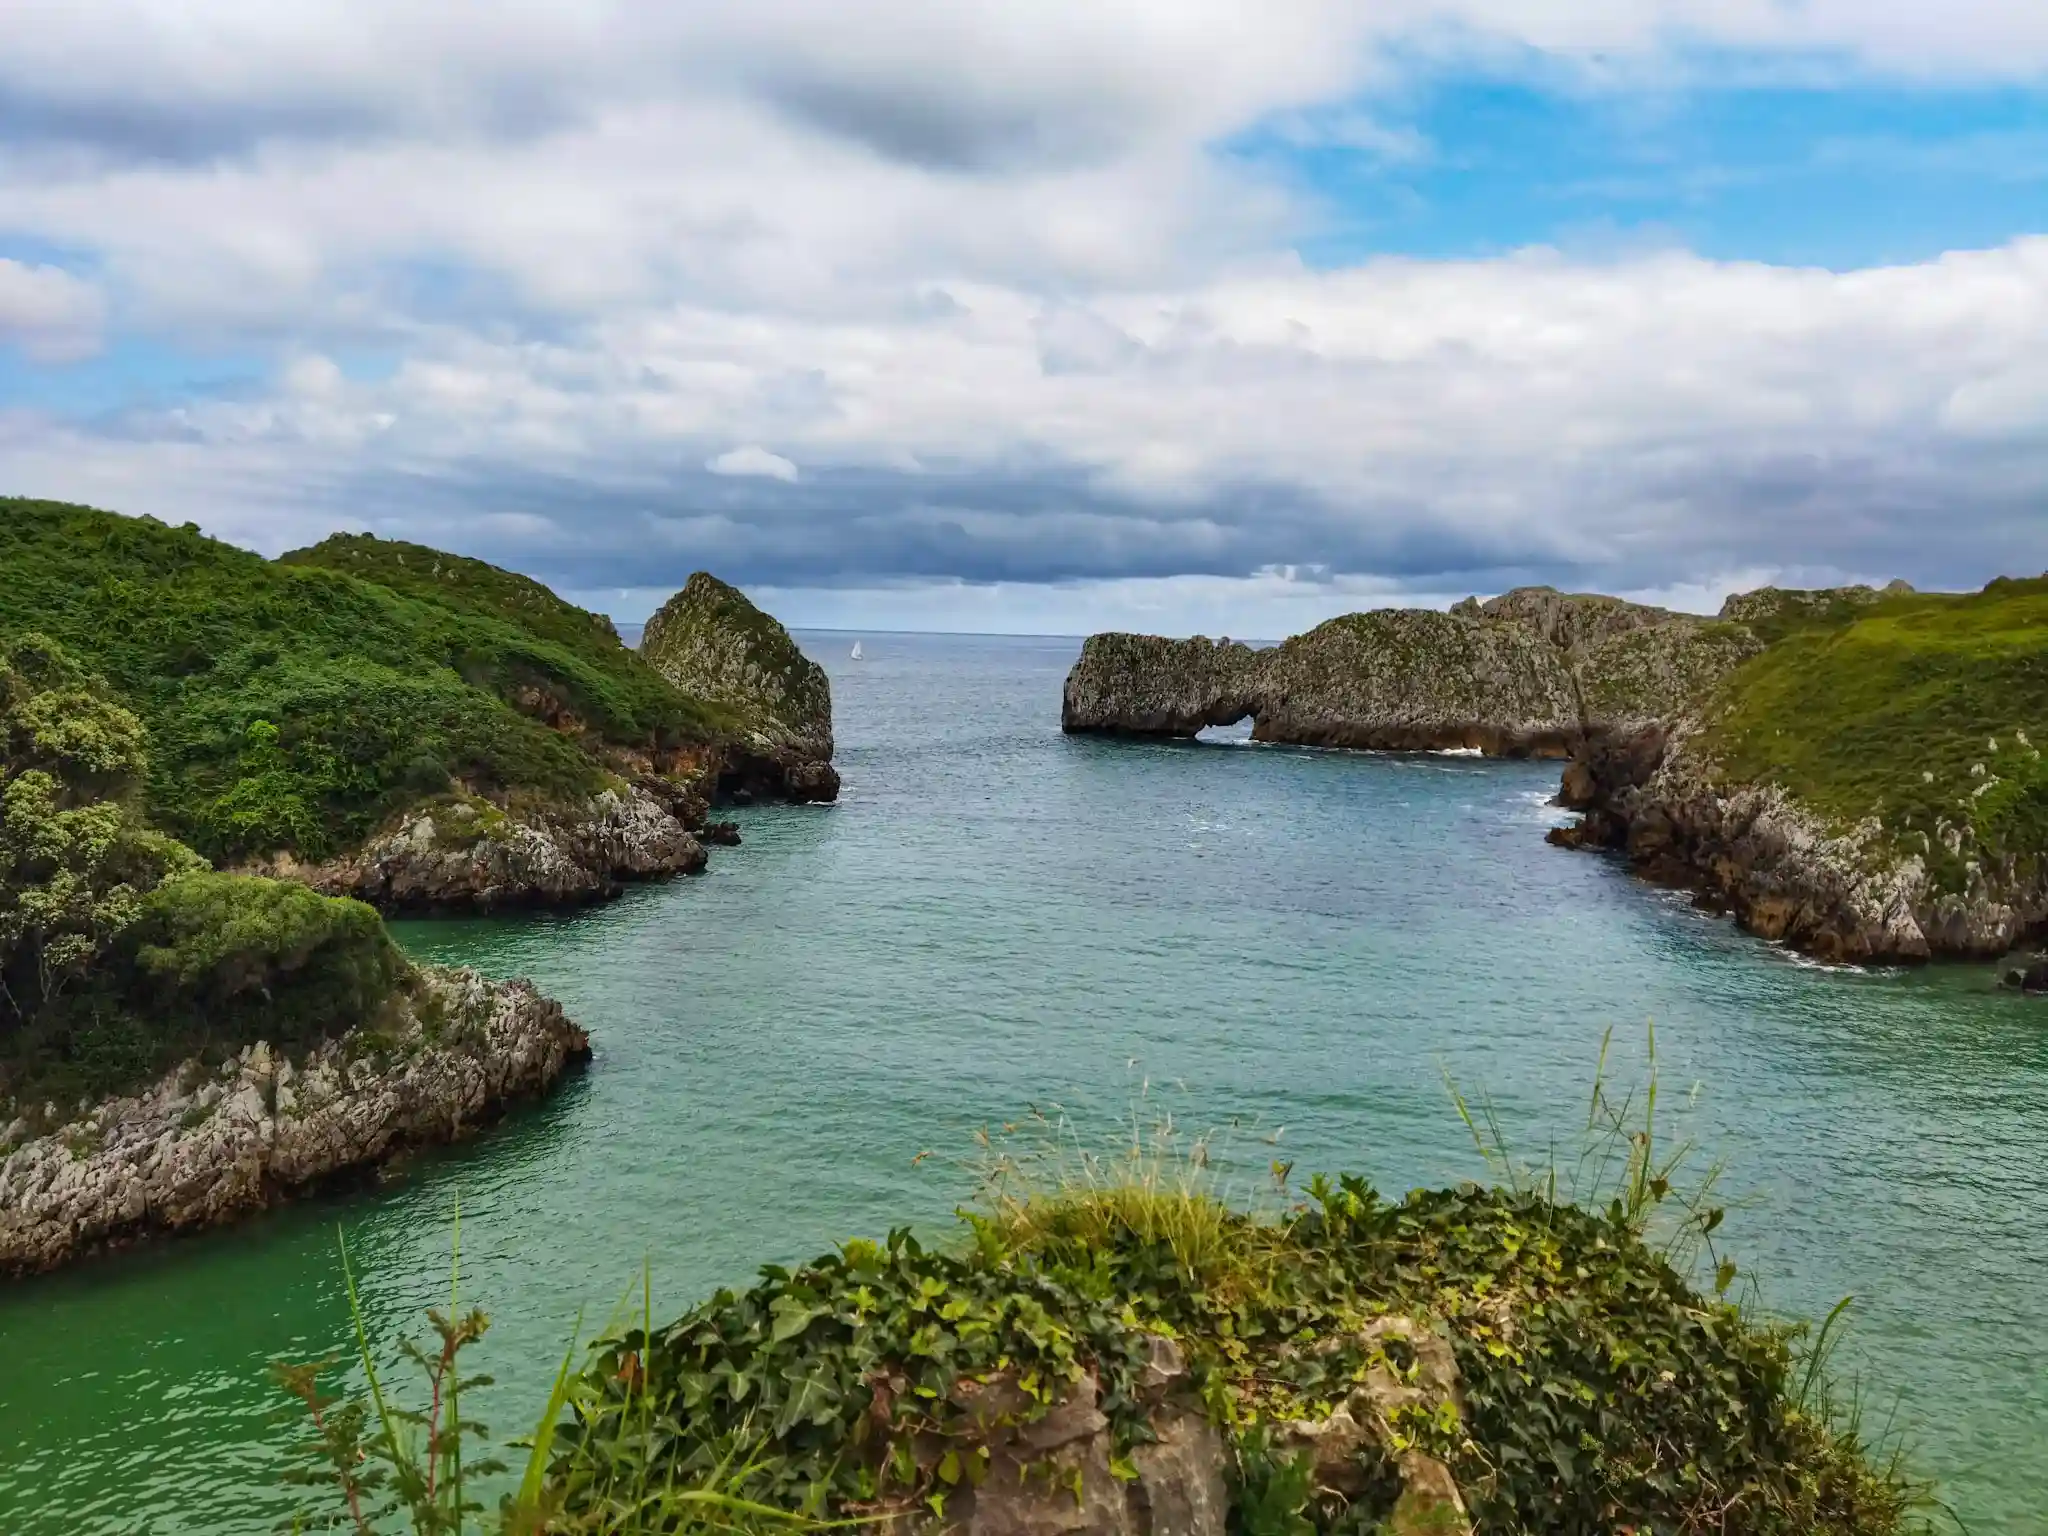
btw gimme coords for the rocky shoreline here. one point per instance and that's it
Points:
(204, 1147)
(1621, 690)
(1847, 896)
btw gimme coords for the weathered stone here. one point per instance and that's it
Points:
(1053, 1476)
(1525, 674)
(1361, 1429)
(1842, 894)
(174, 1159)
(711, 642)
(478, 856)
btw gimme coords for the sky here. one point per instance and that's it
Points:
(1214, 316)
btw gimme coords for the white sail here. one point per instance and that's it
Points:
(856, 650)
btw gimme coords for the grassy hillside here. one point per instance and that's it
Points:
(296, 704)
(1916, 708)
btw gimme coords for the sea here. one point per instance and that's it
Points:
(1309, 957)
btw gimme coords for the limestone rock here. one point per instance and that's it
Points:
(1526, 673)
(1052, 1475)
(472, 854)
(203, 1148)
(710, 641)
(1843, 894)
(1362, 1428)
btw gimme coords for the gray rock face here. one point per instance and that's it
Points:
(1052, 1475)
(203, 1148)
(710, 641)
(1524, 674)
(471, 854)
(1845, 896)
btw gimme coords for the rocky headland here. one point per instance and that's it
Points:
(1848, 770)
(1866, 790)
(209, 1144)
(413, 728)
(1524, 674)
(711, 642)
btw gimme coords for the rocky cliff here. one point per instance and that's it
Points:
(206, 1146)
(467, 852)
(711, 642)
(1523, 674)
(1865, 788)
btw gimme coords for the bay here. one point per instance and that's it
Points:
(994, 919)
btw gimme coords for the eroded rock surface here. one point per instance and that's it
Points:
(468, 853)
(204, 1147)
(1053, 1475)
(1845, 895)
(712, 642)
(1523, 674)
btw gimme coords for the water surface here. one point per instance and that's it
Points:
(996, 917)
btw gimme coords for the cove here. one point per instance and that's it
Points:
(997, 917)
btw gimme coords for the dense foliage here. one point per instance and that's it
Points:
(295, 706)
(1925, 710)
(1601, 1393)
(120, 955)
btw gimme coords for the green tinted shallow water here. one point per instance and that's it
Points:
(995, 916)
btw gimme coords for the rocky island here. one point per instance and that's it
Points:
(1852, 770)
(714, 644)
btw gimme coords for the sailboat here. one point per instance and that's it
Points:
(856, 650)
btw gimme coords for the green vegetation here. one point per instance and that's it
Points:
(710, 640)
(297, 704)
(120, 954)
(1926, 711)
(1598, 1391)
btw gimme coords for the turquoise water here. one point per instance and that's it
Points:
(996, 917)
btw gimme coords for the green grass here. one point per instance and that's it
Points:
(1887, 709)
(295, 705)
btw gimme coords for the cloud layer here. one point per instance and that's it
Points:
(867, 294)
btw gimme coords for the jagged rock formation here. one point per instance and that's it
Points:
(1846, 894)
(711, 642)
(470, 853)
(204, 1147)
(1524, 674)
(1865, 790)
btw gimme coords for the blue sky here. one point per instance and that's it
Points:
(1191, 315)
(1851, 174)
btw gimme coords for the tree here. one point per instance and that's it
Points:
(76, 860)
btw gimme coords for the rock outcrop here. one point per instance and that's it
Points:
(1527, 673)
(1054, 1474)
(204, 1147)
(1844, 894)
(469, 853)
(713, 643)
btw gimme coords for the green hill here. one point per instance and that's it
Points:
(1925, 710)
(294, 705)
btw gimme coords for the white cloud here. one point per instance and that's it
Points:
(753, 460)
(49, 314)
(980, 271)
